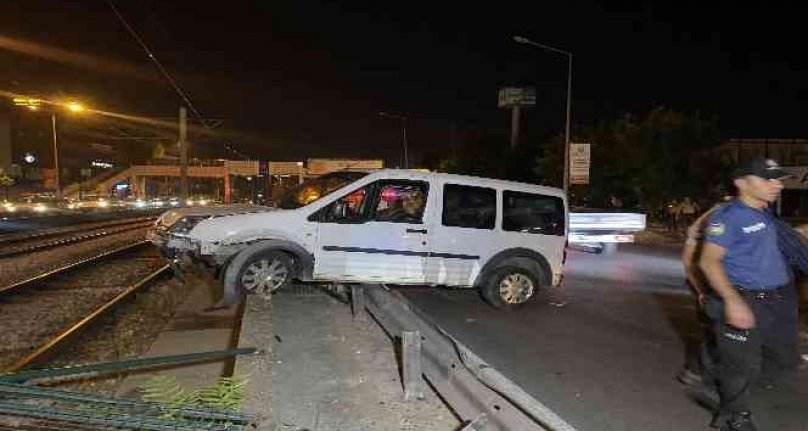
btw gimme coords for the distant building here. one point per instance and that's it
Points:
(787, 152)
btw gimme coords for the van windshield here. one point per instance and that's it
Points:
(317, 188)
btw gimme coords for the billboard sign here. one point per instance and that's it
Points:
(517, 96)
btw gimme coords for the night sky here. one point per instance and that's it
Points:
(306, 78)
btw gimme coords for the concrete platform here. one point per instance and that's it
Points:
(322, 370)
(190, 331)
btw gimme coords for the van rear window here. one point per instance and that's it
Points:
(533, 213)
(469, 207)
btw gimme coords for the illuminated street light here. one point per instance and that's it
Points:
(33, 104)
(75, 107)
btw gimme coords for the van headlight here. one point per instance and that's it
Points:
(183, 226)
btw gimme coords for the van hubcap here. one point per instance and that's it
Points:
(264, 276)
(515, 288)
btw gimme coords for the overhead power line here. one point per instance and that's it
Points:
(171, 81)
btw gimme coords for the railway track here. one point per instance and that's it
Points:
(17, 245)
(40, 314)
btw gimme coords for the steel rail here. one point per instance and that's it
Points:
(72, 240)
(13, 238)
(48, 346)
(70, 266)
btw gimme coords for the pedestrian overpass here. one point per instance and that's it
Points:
(136, 175)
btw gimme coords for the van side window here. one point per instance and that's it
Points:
(347, 209)
(400, 201)
(532, 213)
(469, 207)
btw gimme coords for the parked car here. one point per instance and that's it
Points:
(390, 226)
(92, 203)
(199, 201)
(39, 204)
(8, 207)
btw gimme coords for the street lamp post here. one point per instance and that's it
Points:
(55, 158)
(403, 118)
(34, 105)
(526, 41)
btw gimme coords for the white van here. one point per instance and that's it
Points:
(389, 226)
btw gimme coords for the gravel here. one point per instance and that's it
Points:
(32, 315)
(126, 333)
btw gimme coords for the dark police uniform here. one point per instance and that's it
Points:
(756, 267)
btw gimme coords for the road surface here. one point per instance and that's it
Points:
(604, 351)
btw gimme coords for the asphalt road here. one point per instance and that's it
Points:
(604, 350)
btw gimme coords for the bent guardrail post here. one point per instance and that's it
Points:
(357, 302)
(411, 365)
(474, 390)
(477, 424)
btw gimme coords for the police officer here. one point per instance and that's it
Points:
(750, 280)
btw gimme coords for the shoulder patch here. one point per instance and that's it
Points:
(716, 229)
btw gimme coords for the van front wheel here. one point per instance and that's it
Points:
(267, 272)
(510, 287)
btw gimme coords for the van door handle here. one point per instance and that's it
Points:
(416, 230)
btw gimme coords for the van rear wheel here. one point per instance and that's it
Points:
(510, 287)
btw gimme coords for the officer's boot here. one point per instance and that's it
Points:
(739, 422)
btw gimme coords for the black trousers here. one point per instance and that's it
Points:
(769, 350)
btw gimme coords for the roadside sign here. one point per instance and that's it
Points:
(516, 96)
(27, 101)
(579, 163)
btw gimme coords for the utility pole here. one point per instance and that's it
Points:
(403, 119)
(515, 111)
(404, 132)
(567, 131)
(526, 41)
(183, 156)
(55, 159)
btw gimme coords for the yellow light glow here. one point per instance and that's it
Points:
(33, 108)
(75, 107)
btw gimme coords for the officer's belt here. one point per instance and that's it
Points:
(760, 294)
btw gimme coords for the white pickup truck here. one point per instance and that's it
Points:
(603, 230)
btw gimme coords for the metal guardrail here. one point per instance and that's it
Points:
(478, 393)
